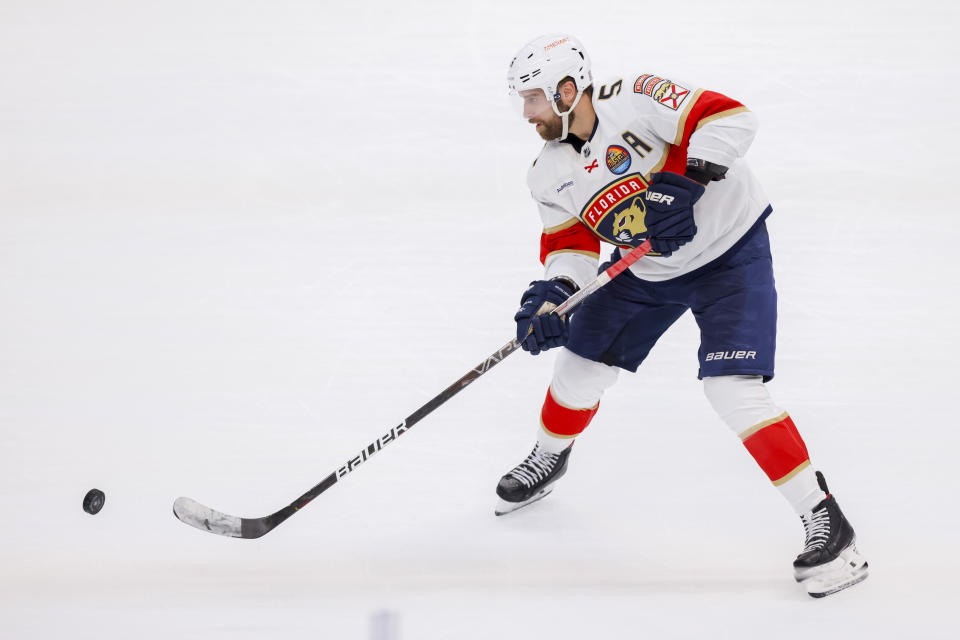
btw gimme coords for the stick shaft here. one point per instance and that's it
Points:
(201, 517)
(491, 361)
(609, 274)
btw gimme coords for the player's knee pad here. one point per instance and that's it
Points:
(740, 401)
(578, 382)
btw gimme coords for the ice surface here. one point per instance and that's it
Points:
(240, 240)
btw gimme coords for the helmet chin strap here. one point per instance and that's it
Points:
(565, 116)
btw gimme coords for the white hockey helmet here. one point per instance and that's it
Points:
(539, 67)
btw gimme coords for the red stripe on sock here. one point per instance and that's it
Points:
(777, 448)
(564, 421)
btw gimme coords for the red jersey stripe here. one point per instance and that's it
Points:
(705, 105)
(577, 237)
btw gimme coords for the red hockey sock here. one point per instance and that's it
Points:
(777, 447)
(561, 421)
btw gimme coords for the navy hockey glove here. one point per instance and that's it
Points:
(669, 200)
(537, 333)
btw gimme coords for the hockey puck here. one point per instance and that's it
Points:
(93, 501)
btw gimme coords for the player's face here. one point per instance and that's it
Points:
(537, 110)
(534, 103)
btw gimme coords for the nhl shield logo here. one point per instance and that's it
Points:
(617, 212)
(618, 160)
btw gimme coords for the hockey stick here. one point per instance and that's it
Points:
(204, 518)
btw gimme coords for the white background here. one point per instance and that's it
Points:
(240, 240)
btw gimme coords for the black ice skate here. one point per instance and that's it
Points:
(531, 480)
(829, 561)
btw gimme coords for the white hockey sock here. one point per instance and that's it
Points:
(572, 399)
(802, 491)
(769, 434)
(551, 443)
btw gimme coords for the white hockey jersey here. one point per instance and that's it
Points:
(645, 124)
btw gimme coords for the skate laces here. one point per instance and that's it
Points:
(535, 467)
(817, 528)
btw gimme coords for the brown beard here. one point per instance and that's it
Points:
(553, 127)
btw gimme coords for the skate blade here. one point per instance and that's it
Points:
(849, 558)
(820, 588)
(848, 569)
(503, 507)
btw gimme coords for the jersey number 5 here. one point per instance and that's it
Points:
(614, 90)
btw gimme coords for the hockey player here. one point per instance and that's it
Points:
(649, 157)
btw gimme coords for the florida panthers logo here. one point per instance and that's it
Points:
(616, 213)
(629, 222)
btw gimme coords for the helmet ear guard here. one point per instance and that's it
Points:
(558, 97)
(565, 115)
